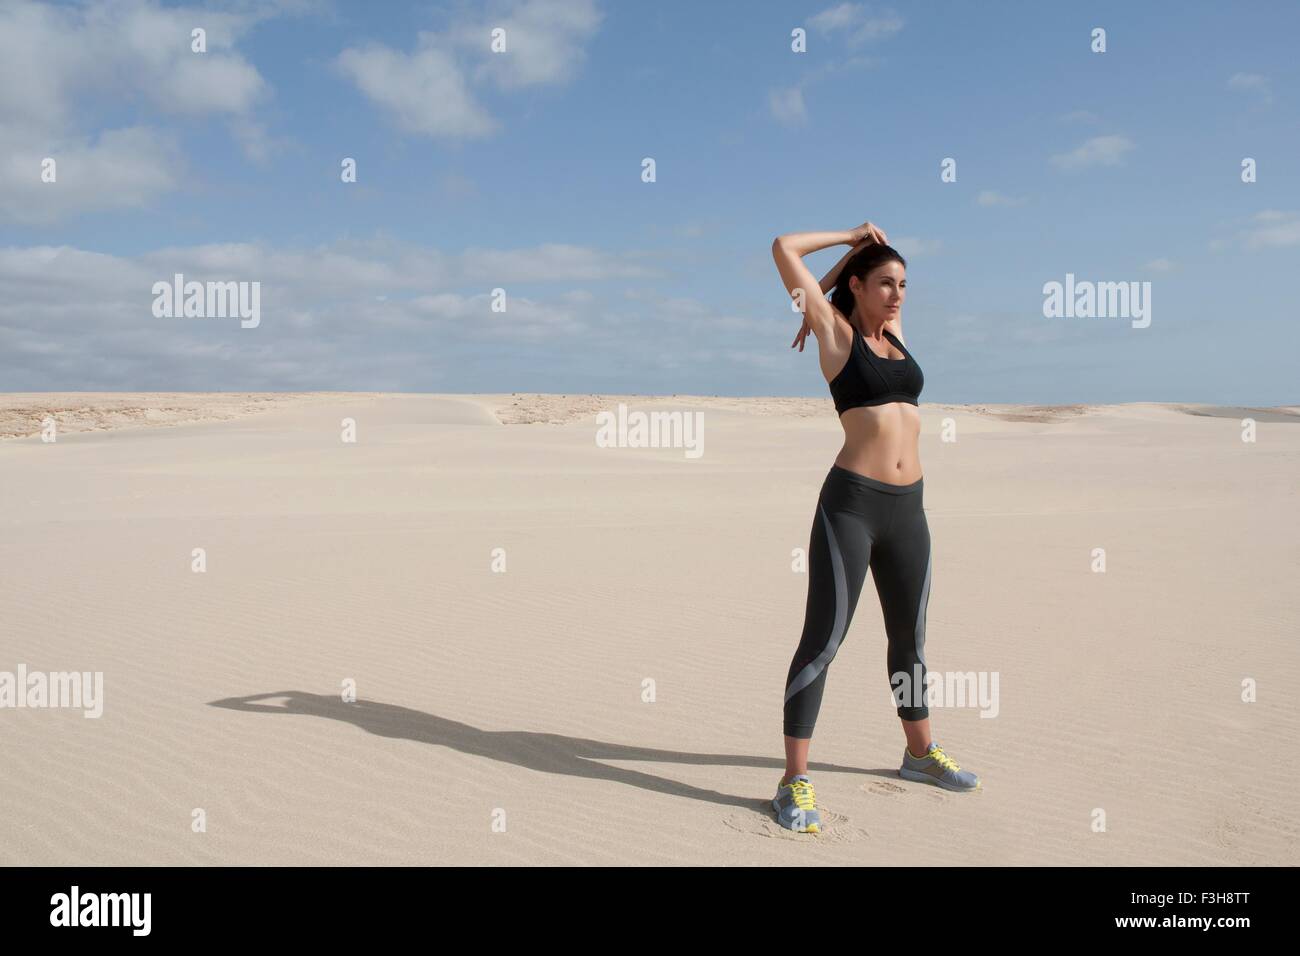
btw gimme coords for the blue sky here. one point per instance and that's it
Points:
(521, 171)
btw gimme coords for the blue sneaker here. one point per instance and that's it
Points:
(938, 768)
(796, 805)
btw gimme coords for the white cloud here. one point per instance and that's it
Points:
(357, 315)
(1279, 229)
(545, 43)
(425, 92)
(855, 23)
(989, 197)
(123, 168)
(1098, 151)
(698, 227)
(51, 55)
(1252, 83)
(910, 246)
(60, 64)
(835, 18)
(428, 91)
(256, 140)
(787, 106)
(72, 302)
(455, 185)
(876, 27)
(850, 23)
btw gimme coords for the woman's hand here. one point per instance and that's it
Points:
(803, 334)
(868, 233)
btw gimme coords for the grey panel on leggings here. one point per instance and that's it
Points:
(818, 664)
(920, 611)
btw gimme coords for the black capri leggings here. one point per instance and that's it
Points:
(861, 521)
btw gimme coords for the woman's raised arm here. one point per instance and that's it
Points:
(788, 252)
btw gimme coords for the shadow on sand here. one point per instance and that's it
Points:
(549, 753)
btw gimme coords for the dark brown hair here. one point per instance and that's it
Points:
(866, 260)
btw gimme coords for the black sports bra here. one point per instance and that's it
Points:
(868, 379)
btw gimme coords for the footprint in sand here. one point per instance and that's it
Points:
(886, 788)
(836, 827)
(1227, 832)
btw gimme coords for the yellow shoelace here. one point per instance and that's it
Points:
(802, 793)
(943, 760)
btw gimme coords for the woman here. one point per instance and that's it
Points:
(869, 510)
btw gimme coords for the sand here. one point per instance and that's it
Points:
(613, 696)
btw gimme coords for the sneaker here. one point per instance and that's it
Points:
(938, 768)
(796, 805)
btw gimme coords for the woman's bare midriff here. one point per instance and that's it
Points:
(882, 442)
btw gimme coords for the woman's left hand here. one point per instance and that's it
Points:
(803, 334)
(867, 233)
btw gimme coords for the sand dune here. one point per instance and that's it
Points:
(22, 413)
(520, 696)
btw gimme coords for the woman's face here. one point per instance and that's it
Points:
(879, 294)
